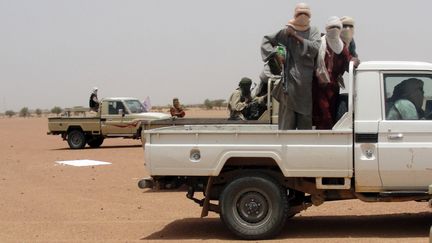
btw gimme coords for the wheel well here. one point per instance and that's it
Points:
(71, 128)
(251, 163)
(237, 166)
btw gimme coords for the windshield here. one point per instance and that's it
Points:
(135, 106)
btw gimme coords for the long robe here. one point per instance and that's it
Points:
(299, 69)
(236, 105)
(325, 98)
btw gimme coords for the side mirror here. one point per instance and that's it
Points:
(121, 112)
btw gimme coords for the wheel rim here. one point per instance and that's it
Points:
(252, 208)
(75, 139)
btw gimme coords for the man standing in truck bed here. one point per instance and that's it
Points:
(302, 43)
(332, 61)
(94, 101)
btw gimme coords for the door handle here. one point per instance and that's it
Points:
(395, 136)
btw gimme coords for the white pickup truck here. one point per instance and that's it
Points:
(256, 176)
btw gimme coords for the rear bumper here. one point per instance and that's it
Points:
(146, 183)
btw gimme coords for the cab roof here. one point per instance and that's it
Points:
(394, 65)
(119, 98)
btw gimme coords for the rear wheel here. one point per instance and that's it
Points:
(96, 142)
(254, 207)
(76, 139)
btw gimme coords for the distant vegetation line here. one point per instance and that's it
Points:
(57, 110)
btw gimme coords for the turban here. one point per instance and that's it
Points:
(333, 34)
(302, 8)
(245, 82)
(346, 20)
(301, 22)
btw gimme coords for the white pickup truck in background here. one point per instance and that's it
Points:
(256, 176)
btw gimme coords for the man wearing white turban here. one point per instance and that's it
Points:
(302, 43)
(94, 102)
(333, 60)
(347, 34)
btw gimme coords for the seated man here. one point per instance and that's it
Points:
(111, 109)
(407, 100)
(242, 106)
(176, 110)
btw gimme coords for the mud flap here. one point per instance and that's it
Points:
(206, 204)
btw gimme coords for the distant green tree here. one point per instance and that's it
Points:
(208, 104)
(38, 112)
(56, 110)
(24, 112)
(218, 103)
(10, 113)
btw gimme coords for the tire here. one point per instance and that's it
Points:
(76, 139)
(291, 215)
(254, 207)
(96, 142)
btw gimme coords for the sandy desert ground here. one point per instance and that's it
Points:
(41, 201)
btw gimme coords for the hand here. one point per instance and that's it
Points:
(356, 61)
(290, 31)
(280, 59)
(322, 84)
(262, 99)
(259, 100)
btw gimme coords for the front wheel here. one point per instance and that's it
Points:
(96, 142)
(76, 139)
(254, 207)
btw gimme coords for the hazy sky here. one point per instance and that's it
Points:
(54, 52)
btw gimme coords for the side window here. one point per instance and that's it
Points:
(121, 106)
(114, 107)
(408, 96)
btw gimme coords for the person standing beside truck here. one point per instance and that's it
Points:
(333, 59)
(302, 42)
(94, 101)
(176, 110)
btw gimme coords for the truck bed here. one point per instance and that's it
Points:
(194, 121)
(202, 150)
(56, 125)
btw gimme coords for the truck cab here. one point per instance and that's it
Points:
(122, 116)
(392, 154)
